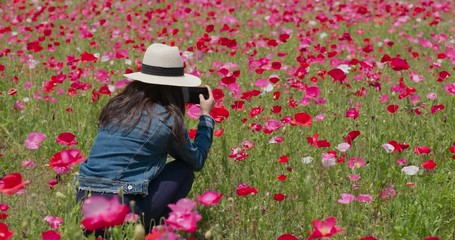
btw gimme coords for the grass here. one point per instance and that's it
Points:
(311, 190)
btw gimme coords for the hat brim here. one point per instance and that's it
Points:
(187, 80)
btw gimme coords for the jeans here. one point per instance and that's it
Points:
(172, 184)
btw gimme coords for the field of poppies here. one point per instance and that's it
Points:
(335, 119)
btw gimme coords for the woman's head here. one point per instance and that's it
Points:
(125, 110)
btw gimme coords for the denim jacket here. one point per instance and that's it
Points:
(129, 161)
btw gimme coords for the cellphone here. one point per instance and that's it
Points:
(191, 94)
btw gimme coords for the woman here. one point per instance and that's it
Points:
(138, 129)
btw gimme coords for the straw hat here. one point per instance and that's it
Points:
(163, 65)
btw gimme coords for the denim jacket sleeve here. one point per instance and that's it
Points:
(195, 153)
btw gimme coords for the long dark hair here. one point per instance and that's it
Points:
(124, 111)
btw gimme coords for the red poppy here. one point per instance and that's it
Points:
(399, 64)
(302, 119)
(436, 108)
(283, 159)
(219, 113)
(281, 177)
(244, 190)
(429, 165)
(351, 136)
(276, 109)
(218, 94)
(5, 233)
(392, 108)
(192, 133)
(66, 138)
(65, 160)
(12, 183)
(218, 132)
(422, 150)
(337, 75)
(398, 147)
(279, 197)
(88, 57)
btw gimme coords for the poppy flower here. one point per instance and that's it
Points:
(245, 190)
(287, 236)
(88, 57)
(65, 160)
(100, 212)
(422, 150)
(5, 233)
(34, 140)
(436, 108)
(209, 198)
(392, 108)
(398, 147)
(356, 162)
(302, 119)
(218, 132)
(399, 64)
(182, 216)
(281, 177)
(368, 238)
(364, 198)
(279, 197)
(54, 222)
(410, 170)
(351, 136)
(346, 198)
(12, 183)
(337, 75)
(324, 228)
(429, 165)
(219, 113)
(66, 138)
(352, 113)
(194, 111)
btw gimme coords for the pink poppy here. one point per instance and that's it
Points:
(324, 228)
(356, 162)
(12, 183)
(182, 216)
(194, 111)
(34, 139)
(364, 198)
(54, 222)
(100, 212)
(209, 198)
(352, 113)
(346, 198)
(66, 139)
(65, 160)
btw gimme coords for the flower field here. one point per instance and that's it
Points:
(335, 119)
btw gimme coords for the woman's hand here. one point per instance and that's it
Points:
(207, 104)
